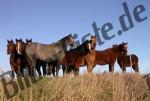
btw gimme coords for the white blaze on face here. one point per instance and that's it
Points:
(89, 46)
(126, 46)
(18, 48)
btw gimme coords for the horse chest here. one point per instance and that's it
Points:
(124, 60)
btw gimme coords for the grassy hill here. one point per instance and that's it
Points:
(103, 87)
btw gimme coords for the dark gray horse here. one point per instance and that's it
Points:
(48, 52)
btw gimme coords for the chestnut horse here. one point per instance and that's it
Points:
(81, 56)
(125, 60)
(15, 59)
(109, 56)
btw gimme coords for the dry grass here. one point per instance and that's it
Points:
(104, 87)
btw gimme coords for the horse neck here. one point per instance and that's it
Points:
(64, 43)
(82, 47)
(94, 45)
(13, 56)
(78, 49)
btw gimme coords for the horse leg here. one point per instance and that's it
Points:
(23, 66)
(30, 71)
(75, 70)
(64, 69)
(44, 69)
(111, 68)
(12, 72)
(53, 70)
(57, 68)
(135, 68)
(123, 69)
(38, 65)
(32, 63)
(18, 67)
(49, 69)
(22, 71)
(89, 70)
(89, 67)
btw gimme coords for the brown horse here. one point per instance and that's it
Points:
(15, 59)
(90, 57)
(125, 60)
(110, 55)
(81, 56)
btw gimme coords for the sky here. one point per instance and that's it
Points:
(47, 21)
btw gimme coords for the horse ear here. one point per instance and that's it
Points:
(114, 45)
(70, 35)
(16, 39)
(31, 40)
(26, 40)
(11, 40)
(8, 41)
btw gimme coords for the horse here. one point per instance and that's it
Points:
(48, 52)
(109, 56)
(80, 56)
(125, 60)
(15, 59)
(90, 57)
(39, 63)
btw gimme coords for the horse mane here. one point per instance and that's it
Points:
(81, 46)
(108, 49)
(61, 41)
(64, 38)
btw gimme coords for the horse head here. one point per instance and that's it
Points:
(94, 41)
(88, 46)
(69, 40)
(10, 47)
(20, 46)
(123, 47)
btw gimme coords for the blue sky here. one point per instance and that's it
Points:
(47, 21)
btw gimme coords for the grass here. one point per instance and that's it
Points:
(103, 87)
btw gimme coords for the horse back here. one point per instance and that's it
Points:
(104, 57)
(72, 57)
(44, 52)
